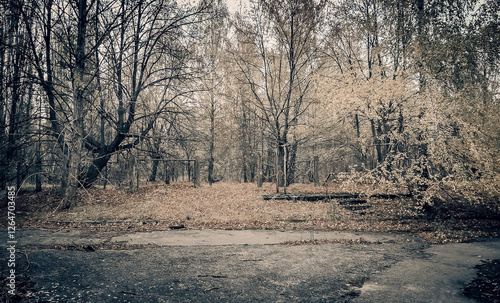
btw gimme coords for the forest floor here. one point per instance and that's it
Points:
(157, 206)
(354, 270)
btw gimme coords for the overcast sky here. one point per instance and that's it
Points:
(234, 5)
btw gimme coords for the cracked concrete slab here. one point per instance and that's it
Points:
(197, 237)
(245, 237)
(246, 266)
(443, 271)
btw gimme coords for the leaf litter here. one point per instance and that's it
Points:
(158, 206)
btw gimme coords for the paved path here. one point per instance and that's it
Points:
(246, 266)
(196, 237)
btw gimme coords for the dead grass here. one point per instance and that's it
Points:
(157, 206)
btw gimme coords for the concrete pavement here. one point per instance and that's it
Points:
(247, 266)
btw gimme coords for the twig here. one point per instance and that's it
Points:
(27, 260)
(177, 226)
(210, 289)
(130, 293)
(212, 276)
(58, 206)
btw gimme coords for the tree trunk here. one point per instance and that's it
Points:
(281, 162)
(316, 170)
(356, 124)
(166, 168)
(245, 165)
(132, 175)
(376, 142)
(76, 142)
(3, 163)
(38, 176)
(211, 157)
(259, 170)
(269, 171)
(292, 163)
(14, 82)
(154, 170)
(197, 180)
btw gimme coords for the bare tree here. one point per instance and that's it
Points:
(280, 72)
(148, 52)
(121, 63)
(213, 60)
(16, 93)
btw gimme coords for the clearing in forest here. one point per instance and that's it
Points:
(157, 206)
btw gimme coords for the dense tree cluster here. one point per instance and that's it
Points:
(404, 91)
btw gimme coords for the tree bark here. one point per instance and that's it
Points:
(154, 171)
(211, 156)
(292, 163)
(76, 143)
(3, 163)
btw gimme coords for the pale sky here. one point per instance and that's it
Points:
(234, 5)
